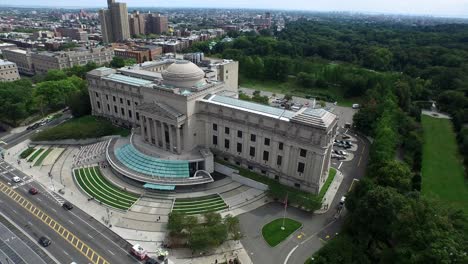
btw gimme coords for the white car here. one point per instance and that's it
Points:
(16, 179)
(356, 106)
(342, 152)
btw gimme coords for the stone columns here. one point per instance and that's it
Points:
(142, 127)
(163, 135)
(171, 138)
(148, 129)
(155, 126)
(179, 148)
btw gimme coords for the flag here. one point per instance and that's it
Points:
(286, 202)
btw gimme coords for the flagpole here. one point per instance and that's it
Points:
(284, 213)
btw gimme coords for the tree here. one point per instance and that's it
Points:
(79, 103)
(55, 75)
(117, 62)
(175, 223)
(212, 218)
(394, 174)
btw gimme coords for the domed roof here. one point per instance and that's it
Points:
(183, 74)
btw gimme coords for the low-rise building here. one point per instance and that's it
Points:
(8, 71)
(44, 61)
(22, 59)
(5, 46)
(73, 33)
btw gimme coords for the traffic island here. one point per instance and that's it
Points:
(278, 230)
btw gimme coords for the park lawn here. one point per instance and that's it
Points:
(442, 170)
(35, 154)
(330, 94)
(27, 152)
(81, 128)
(273, 234)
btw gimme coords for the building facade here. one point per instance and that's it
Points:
(114, 22)
(44, 61)
(8, 71)
(157, 24)
(73, 33)
(137, 24)
(22, 59)
(181, 115)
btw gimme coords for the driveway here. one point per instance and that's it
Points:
(316, 230)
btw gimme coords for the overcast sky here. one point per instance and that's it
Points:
(458, 8)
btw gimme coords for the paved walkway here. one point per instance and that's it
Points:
(435, 114)
(331, 192)
(123, 223)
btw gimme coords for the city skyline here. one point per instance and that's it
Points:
(450, 8)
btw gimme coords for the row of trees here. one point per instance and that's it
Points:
(212, 231)
(46, 93)
(389, 221)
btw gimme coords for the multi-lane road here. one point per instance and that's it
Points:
(76, 236)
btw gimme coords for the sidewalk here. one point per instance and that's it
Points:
(62, 179)
(330, 194)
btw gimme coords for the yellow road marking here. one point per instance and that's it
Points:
(58, 228)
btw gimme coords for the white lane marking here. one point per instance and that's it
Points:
(90, 235)
(340, 165)
(14, 211)
(98, 232)
(290, 253)
(39, 199)
(53, 209)
(111, 252)
(71, 222)
(66, 253)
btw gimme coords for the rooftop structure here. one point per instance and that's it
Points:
(8, 71)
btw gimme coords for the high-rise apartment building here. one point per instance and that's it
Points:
(157, 24)
(137, 23)
(114, 22)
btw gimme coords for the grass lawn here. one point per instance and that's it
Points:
(81, 128)
(273, 234)
(42, 157)
(35, 154)
(26, 153)
(199, 205)
(326, 185)
(290, 87)
(442, 170)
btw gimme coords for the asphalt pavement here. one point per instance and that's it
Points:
(316, 229)
(84, 231)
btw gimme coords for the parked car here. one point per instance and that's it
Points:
(356, 106)
(44, 241)
(342, 152)
(67, 205)
(345, 137)
(338, 144)
(33, 191)
(16, 179)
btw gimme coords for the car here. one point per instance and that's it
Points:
(338, 144)
(151, 261)
(348, 143)
(342, 152)
(336, 151)
(346, 137)
(341, 157)
(44, 241)
(347, 146)
(16, 179)
(356, 106)
(33, 191)
(342, 200)
(67, 205)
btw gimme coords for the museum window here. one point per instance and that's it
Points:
(113, 98)
(226, 130)
(238, 163)
(128, 102)
(215, 127)
(121, 100)
(107, 97)
(266, 155)
(98, 105)
(130, 113)
(138, 116)
(115, 109)
(277, 177)
(252, 152)
(297, 185)
(300, 167)
(215, 140)
(239, 134)
(263, 171)
(239, 147)
(280, 145)
(97, 95)
(250, 167)
(279, 160)
(303, 153)
(253, 137)
(226, 143)
(267, 142)
(122, 111)
(108, 108)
